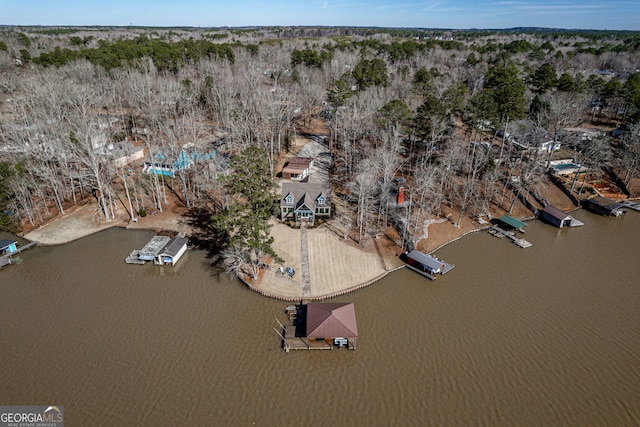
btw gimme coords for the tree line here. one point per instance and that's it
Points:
(423, 106)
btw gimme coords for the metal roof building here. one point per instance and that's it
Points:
(331, 320)
(555, 216)
(511, 222)
(172, 251)
(603, 206)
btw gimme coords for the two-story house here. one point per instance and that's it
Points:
(304, 201)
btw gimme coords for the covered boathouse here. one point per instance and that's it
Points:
(172, 251)
(560, 219)
(426, 265)
(510, 223)
(8, 246)
(321, 326)
(161, 250)
(603, 206)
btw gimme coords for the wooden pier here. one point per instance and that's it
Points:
(631, 205)
(7, 259)
(292, 342)
(500, 233)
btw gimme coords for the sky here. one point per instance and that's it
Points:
(453, 14)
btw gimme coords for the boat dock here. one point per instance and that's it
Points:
(426, 265)
(7, 259)
(631, 205)
(292, 342)
(500, 233)
(319, 326)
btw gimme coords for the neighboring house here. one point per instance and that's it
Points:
(161, 165)
(548, 146)
(8, 246)
(304, 201)
(125, 152)
(297, 169)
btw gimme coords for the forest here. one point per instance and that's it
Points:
(470, 120)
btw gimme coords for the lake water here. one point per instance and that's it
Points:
(548, 335)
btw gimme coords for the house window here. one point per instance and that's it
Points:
(289, 199)
(321, 200)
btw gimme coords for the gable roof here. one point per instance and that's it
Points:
(304, 192)
(297, 165)
(331, 320)
(555, 212)
(301, 161)
(307, 201)
(173, 246)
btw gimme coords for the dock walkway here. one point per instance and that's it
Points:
(500, 233)
(292, 342)
(304, 255)
(6, 259)
(631, 205)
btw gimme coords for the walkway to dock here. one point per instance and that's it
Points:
(304, 254)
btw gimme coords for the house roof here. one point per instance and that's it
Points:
(126, 148)
(173, 246)
(294, 169)
(607, 204)
(300, 162)
(306, 200)
(304, 192)
(331, 320)
(5, 243)
(298, 165)
(511, 221)
(555, 212)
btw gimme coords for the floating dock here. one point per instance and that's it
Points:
(498, 232)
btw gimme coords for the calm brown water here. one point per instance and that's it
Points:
(544, 336)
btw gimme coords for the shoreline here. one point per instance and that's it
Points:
(335, 266)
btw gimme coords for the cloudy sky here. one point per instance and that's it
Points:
(458, 14)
